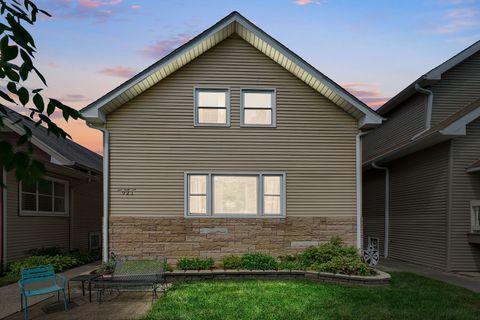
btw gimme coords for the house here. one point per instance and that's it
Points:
(231, 143)
(422, 169)
(64, 210)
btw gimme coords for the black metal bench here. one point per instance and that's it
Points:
(133, 275)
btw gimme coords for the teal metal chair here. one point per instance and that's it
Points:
(40, 280)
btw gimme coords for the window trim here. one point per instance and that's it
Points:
(274, 108)
(474, 203)
(37, 213)
(195, 106)
(260, 194)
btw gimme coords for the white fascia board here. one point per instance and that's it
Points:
(459, 127)
(55, 157)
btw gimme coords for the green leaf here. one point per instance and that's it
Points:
(38, 101)
(51, 107)
(23, 95)
(7, 52)
(11, 74)
(6, 97)
(12, 87)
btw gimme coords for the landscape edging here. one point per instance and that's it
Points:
(379, 279)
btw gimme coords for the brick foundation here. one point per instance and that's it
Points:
(148, 237)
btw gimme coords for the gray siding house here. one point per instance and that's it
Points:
(65, 211)
(421, 178)
(231, 143)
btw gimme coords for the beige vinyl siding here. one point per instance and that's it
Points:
(87, 203)
(400, 126)
(465, 187)
(374, 207)
(459, 86)
(418, 207)
(25, 233)
(153, 140)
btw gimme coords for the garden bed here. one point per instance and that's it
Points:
(380, 278)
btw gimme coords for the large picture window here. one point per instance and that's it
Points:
(235, 194)
(212, 107)
(258, 108)
(46, 197)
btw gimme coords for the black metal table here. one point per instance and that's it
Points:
(83, 278)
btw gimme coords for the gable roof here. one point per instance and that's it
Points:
(453, 126)
(429, 78)
(233, 23)
(62, 151)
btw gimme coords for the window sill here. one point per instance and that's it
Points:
(235, 217)
(474, 237)
(43, 214)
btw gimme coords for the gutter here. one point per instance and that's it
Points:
(106, 161)
(429, 104)
(358, 145)
(387, 208)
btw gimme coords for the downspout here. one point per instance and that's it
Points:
(106, 152)
(387, 207)
(428, 117)
(358, 142)
(3, 232)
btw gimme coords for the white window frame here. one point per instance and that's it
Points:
(260, 194)
(273, 91)
(474, 228)
(196, 90)
(37, 213)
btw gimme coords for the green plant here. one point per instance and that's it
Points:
(45, 251)
(17, 55)
(59, 262)
(326, 252)
(344, 265)
(195, 264)
(232, 262)
(290, 265)
(258, 261)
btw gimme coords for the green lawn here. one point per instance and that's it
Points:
(409, 297)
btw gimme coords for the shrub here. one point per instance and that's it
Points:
(290, 265)
(344, 265)
(232, 262)
(59, 262)
(326, 252)
(258, 261)
(45, 251)
(195, 264)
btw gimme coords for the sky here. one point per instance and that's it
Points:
(372, 48)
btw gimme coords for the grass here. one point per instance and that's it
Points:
(408, 297)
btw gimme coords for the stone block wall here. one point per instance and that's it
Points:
(175, 237)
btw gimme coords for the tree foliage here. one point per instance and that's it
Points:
(17, 53)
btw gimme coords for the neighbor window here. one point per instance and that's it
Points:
(237, 194)
(212, 107)
(258, 108)
(475, 212)
(45, 197)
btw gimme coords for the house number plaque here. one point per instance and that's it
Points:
(126, 191)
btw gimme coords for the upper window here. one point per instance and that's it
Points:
(46, 197)
(475, 212)
(258, 108)
(228, 195)
(212, 107)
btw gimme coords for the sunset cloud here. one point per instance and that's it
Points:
(97, 3)
(135, 6)
(458, 20)
(305, 2)
(119, 71)
(163, 47)
(369, 93)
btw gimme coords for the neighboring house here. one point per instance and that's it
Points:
(231, 143)
(423, 205)
(63, 211)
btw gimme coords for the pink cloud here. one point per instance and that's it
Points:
(163, 47)
(369, 93)
(135, 6)
(120, 72)
(305, 2)
(458, 20)
(97, 3)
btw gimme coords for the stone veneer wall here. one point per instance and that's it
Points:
(172, 237)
